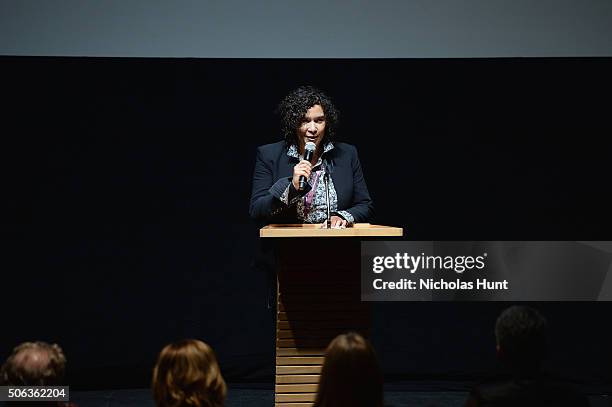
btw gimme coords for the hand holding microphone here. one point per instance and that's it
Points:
(301, 172)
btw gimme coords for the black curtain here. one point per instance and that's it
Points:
(126, 185)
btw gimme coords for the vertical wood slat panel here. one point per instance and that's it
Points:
(314, 305)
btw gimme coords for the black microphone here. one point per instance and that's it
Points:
(309, 150)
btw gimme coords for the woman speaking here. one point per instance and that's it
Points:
(309, 175)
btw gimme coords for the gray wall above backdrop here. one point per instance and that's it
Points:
(314, 29)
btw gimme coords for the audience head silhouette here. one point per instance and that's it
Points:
(187, 374)
(351, 375)
(34, 364)
(522, 346)
(520, 332)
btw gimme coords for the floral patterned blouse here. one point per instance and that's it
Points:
(312, 207)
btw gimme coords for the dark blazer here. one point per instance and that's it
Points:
(535, 391)
(274, 171)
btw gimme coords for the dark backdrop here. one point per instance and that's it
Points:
(126, 185)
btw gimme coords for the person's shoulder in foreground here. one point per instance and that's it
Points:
(541, 391)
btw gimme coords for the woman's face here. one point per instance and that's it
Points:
(312, 127)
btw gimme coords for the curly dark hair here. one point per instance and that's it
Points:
(295, 105)
(521, 334)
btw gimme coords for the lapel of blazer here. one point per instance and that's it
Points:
(330, 166)
(286, 163)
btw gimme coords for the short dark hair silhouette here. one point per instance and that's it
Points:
(520, 332)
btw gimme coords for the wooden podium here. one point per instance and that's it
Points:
(318, 277)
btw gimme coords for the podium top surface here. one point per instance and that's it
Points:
(315, 230)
